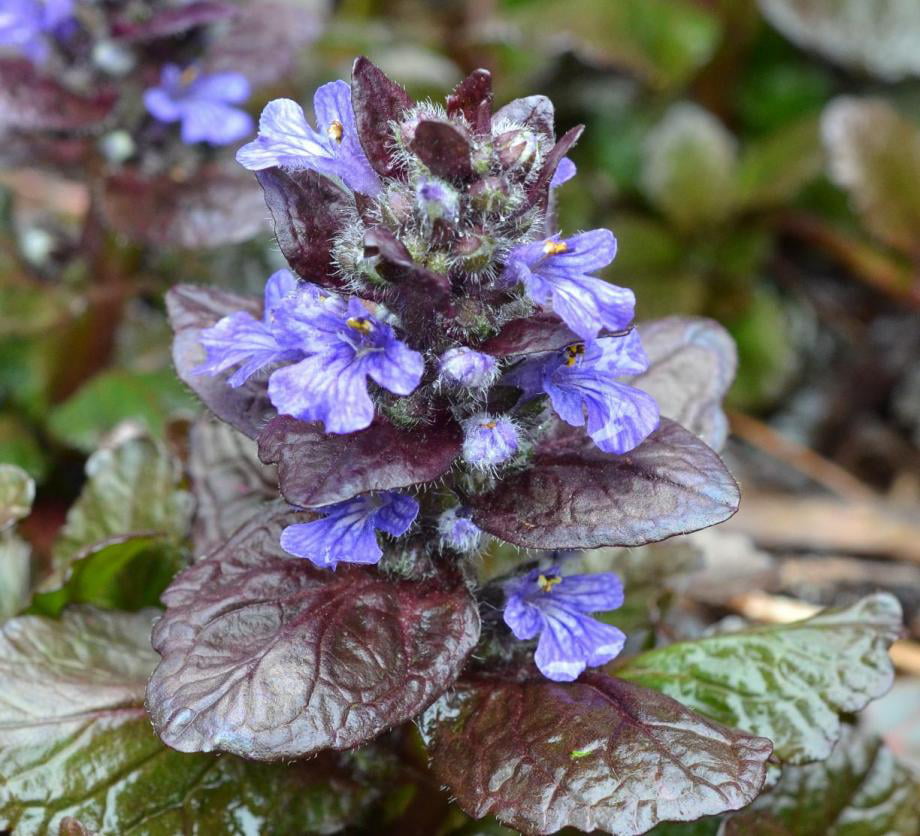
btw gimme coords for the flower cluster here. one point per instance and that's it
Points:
(28, 27)
(436, 318)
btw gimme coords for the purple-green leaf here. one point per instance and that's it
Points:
(692, 362)
(229, 482)
(306, 209)
(542, 331)
(268, 657)
(192, 309)
(318, 468)
(533, 112)
(538, 191)
(377, 101)
(172, 20)
(599, 753)
(577, 496)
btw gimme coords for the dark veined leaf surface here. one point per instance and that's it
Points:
(692, 362)
(317, 468)
(75, 742)
(597, 753)
(377, 101)
(192, 309)
(306, 210)
(789, 682)
(860, 790)
(443, 148)
(576, 496)
(267, 656)
(473, 98)
(229, 483)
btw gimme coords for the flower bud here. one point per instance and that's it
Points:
(489, 440)
(458, 532)
(436, 200)
(476, 252)
(465, 367)
(517, 148)
(489, 194)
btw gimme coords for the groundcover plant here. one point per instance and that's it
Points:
(439, 373)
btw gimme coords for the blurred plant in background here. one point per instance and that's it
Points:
(759, 163)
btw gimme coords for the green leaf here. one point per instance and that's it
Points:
(127, 575)
(132, 490)
(874, 153)
(860, 790)
(689, 167)
(75, 741)
(663, 41)
(879, 36)
(15, 574)
(19, 446)
(149, 399)
(773, 170)
(789, 683)
(17, 492)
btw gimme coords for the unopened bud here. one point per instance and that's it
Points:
(517, 148)
(489, 194)
(476, 251)
(436, 200)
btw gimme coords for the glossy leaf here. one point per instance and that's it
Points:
(662, 41)
(127, 573)
(317, 468)
(377, 101)
(266, 656)
(788, 682)
(229, 482)
(692, 363)
(192, 309)
(597, 753)
(443, 148)
(576, 496)
(306, 209)
(878, 36)
(540, 332)
(860, 790)
(131, 490)
(15, 574)
(265, 39)
(874, 153)
(211, 207)
(76, 743)
(472, 98)
(30, 101)
(688, 168)
(148, 400)
(17, 492)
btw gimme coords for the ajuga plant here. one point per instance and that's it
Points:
(139, 97)
(439, 371)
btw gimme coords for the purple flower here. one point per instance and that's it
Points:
(489, 440)
(463, 366)
(347, 531)
(565, 171)
(241, 339)
(458, 532)
(557, 608)
(25, 25)
(202, 103)
(581, 384)
(343, 345)
(286, 139)
(555, 272)
(330, 345)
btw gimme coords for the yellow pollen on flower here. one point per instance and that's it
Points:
(546, 584)
(336, 130)
(189, 74)
(573, 352)
(488, 425)
(359, 323)
(555, 247)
